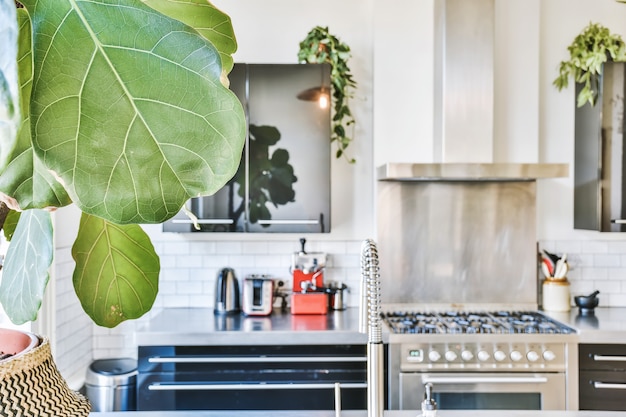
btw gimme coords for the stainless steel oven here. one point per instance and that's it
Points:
(502, 360)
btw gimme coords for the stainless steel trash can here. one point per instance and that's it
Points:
(111, 384)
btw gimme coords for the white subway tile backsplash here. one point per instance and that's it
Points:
(203, 248)
(189, 269)
(228, 248)
(241, 261)
(189, 261)
(595, 246)
(188, 287)
(175, 274)
(593, 273)
(596, 265)
(610, 261)
(215, 261)
(614, 300)
(176, 247)
(278, 247)
(617, 247)
(618, 274)
(269, 261)
(345, 261)
(167, 261)
(566, 246)
(255, 248)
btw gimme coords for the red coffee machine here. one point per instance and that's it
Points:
(309, 295)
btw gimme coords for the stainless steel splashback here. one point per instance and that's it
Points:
(457, 242)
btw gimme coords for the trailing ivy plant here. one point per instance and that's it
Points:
(588, 53)
(120, 107)
(319, 47)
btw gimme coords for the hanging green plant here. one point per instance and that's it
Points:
(320, 47)
(588, 52)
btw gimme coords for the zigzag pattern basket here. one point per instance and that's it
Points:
(31, 386)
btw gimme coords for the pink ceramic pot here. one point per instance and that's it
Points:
(16, 342)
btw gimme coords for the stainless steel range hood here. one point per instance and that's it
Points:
(463, 131)
(461, 230)
(469, 172)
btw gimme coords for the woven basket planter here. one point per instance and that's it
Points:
(31, 386)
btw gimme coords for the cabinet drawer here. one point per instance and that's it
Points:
(602, 357)
(602, 390)
(171, 392)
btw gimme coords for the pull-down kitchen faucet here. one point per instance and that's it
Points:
(370, 304)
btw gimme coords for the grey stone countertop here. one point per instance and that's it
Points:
(361, 413)
(605, 325)
(201, 327)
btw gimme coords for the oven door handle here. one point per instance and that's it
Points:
(483, 380)
(247, 387)
(605, 385)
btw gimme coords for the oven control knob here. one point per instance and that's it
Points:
(434, 356)
(451, 356)
(548, 355)
(516, 356)
(483, 356)
(499, 355)
(532, 356)
(467, 355)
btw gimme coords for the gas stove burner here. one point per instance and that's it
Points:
(458, 322)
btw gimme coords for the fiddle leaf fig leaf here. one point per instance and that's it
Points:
(25, 180)
(205, 18)
(25, 272)
(127, 108)
(117, 270)
(10, 223)
(9, 90)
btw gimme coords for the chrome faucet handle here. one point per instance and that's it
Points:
(429, 405)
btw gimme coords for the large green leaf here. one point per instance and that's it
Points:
(209, 21)
(128, 110)
(25, 271)
(25, 180)
(117, 270)
(9, 95)
(10, 224)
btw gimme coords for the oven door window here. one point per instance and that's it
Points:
(488, 401)
(485, 391)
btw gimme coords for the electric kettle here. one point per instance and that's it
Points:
(227, 292)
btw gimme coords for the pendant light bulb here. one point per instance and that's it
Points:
(323, 101)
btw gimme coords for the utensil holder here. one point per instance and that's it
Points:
(556, 295)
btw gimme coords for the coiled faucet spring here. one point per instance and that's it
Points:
(370, 281)
(370, 276)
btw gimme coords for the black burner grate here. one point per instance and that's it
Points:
(459, 322)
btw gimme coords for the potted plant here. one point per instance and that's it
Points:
(30, 383)
(588, 52)
(320, 46)
(121, 108)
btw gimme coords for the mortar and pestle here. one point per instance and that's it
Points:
(586, 303)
